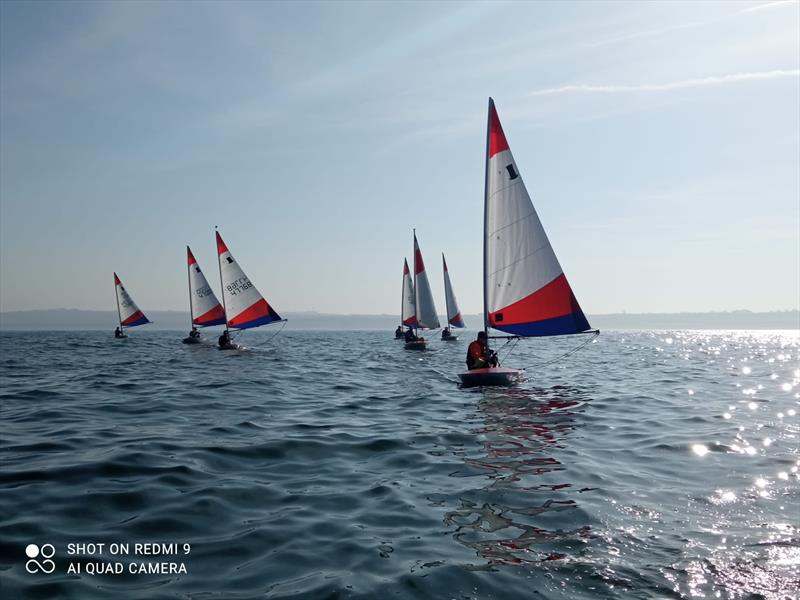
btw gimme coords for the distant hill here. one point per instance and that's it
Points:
(74, 319)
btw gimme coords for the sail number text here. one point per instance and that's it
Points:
(202, 292)
(239, 286)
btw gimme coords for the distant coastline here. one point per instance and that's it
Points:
(79, 320)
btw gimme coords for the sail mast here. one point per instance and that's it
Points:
(416, 290)
(446, 299)
(221, 284)
(485, 222)
(116, 295)
(189, 279)
(403, 294)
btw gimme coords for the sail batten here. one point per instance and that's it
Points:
(245, 307)
(527, 292)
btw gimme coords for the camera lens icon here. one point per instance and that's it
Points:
(47, 551)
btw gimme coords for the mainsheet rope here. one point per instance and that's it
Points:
(552, 360)
(239, 332)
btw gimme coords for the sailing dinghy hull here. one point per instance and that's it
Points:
(492, 376)
(192, 340)
(419, 345)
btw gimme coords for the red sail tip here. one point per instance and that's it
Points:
(405, 267)
(419, 267)
(221, 247)
(497, 139)
(116, 280)
(190, 256)
(444, 262)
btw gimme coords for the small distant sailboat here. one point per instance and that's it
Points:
(204, 308)
(453, 314)
(424, 308)
(408, 316)
(525, 291)
(127, 311)
(243, 304)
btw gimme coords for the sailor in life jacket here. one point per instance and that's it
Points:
(476, 354)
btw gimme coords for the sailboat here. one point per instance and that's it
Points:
(424, 308)
(243, 304)
(127, 311)
(453, 314)
(408, 316)
(204, 308)
(525, 291)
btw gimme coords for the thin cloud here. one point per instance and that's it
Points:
(767, 5)
(665, 87)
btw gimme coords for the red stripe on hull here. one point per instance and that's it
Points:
(256, 311)
(553, 300)
(497, 139)
(215, 314)
(221, 247)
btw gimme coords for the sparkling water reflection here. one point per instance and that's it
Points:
(649, 465)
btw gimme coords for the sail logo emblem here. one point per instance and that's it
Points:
(47, 551)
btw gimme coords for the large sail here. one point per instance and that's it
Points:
(244, 305)
(526, 290)
(426, 310)
(453, 314)
(408, 316)
(206, 309)
(129, 313)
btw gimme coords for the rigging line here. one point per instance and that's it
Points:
(574, 350)
(269, 339)
(510, 350)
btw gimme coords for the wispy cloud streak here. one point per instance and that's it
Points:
(666, 87)
(767, 5)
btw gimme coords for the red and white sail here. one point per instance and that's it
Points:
(423, 297)
(244, 305)
(526, 290)
(206, 309)
(453, 313)
(129, 313)
(408, 314)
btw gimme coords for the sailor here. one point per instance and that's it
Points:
(398, 333)
(410, 335)
(118, 333)
(445, 333)
(224, 339)
(477, 357)
(194, 333)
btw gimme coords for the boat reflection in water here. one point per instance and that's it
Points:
(527, 512)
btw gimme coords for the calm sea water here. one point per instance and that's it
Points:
(338, 465)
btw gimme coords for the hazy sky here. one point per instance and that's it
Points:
(660, 143)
